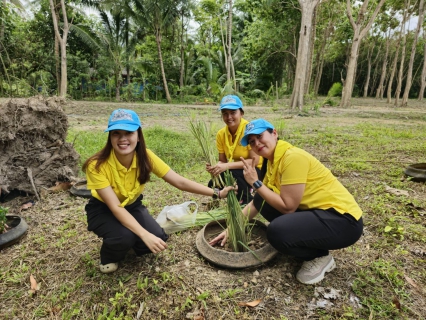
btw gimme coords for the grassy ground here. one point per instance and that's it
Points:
(383, 276)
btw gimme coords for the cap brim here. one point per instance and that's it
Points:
(230, 107)
(244, 140)
(123, 126)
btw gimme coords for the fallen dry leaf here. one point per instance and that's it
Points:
(61, 186)
(410, 281)
(26, 205)
(34, 286)
(396, 303)
(396, 192)
(250, 304)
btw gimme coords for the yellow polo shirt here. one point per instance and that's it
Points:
(322, 189)
(104, 178)
(239, 151)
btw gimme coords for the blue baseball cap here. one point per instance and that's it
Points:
(123, 119)
(231, 102)
(255, 127)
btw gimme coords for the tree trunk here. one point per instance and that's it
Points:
(297, 96)
(423, 76)
(408, 81)
(62, 43)
(223, 44)
(57, 65)
(311, 52)
(367, 80)
(182, 58)
(160, 57)
(2, 27)
(359, 33)
(402, 59)
(392, 74)
(380, 87)
(229, 34)
(320, 57)
(117, 84)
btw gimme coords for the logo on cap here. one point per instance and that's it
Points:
(122, 115)
(249, 127)
(229, 99)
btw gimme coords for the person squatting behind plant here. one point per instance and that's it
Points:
(309, 210)
(228, 143)
(117, 175)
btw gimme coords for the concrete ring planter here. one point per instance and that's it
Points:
(18, 229)
(417, 171)
(79, 189)
(233, 260)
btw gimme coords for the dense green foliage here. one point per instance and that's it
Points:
(114, 53)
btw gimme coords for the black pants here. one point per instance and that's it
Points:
(117, 239)
(309, 234)
(244, 189)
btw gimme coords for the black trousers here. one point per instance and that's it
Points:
(309, 234)
(117, 239)
(244, 194)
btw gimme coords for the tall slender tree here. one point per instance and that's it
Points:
(423, 75)
(360, 26)
(409, 78)
(303, 53)
(62, 42)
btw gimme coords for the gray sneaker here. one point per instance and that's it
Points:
(313, 271)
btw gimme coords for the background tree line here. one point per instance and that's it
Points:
(189, 50)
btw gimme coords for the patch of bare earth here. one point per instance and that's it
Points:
(179, 284)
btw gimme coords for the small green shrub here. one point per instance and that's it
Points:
(3, 212)
(335, 90)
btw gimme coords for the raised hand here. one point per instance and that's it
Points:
(249, 171)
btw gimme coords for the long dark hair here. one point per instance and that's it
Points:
(143, 162)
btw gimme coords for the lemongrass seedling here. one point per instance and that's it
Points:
(236, 221)
(203, 135)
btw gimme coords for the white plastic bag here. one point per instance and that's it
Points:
(178, 217)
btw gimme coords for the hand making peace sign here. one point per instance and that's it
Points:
(249, 170)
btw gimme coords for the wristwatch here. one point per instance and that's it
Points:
(257, 184)
(215, 194)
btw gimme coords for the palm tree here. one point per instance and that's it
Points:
(156, 15)
(113, 40)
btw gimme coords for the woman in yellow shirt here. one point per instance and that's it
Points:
(309, 210)
(116, 176)
(228, 143)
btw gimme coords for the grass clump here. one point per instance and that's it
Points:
(203, 135)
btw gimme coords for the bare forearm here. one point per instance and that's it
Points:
(273, 199)
(127, 220)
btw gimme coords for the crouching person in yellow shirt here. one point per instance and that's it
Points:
(117, 175)
(309, 210)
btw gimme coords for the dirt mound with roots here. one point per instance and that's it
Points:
(33, 151)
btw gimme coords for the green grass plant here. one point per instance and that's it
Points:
(203, 134)
(236, 222)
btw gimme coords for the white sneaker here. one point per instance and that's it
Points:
(313, 271)
(108, 268)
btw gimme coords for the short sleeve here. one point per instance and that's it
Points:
(159, 167)
(96, 179)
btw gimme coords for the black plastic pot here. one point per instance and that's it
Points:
(18, 229)
(416, 171)
(233, 260)
(80, 189)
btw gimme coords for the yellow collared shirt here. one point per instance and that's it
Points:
(104, 178)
